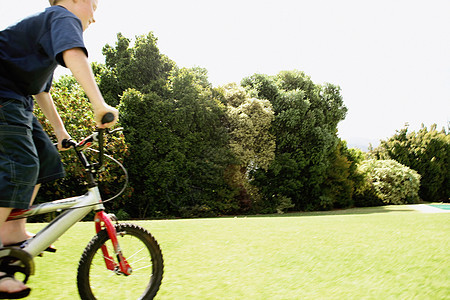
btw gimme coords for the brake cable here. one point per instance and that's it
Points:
(124, 171)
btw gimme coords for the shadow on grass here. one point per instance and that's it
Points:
(350, 211)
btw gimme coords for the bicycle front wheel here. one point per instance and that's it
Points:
(141, 251)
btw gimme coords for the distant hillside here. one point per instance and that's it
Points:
(362, 143)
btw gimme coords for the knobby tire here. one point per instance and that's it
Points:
(142, 252)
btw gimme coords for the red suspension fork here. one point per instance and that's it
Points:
(102, 221)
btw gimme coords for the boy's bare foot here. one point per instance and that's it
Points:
(10, 288)
(17, 238)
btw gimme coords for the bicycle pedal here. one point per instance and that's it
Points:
(50, 249)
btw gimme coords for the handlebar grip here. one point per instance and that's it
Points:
(68, 143)
(108, 118)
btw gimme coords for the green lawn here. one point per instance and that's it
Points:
(372, 253)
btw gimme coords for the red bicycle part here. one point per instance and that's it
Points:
(103, 221)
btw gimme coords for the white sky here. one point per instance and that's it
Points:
(390, 57)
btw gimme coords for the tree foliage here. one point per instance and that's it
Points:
(427, 152)
(390, 181)
(249, 122)
(305, 127)
(341, 179)
(179, 149)
(140, 66)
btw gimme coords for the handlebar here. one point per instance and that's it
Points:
(88, 141)
(85, 143)
(93, 169)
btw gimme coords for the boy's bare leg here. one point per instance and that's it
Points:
(12, 232)
(4, 214)
(9, 285)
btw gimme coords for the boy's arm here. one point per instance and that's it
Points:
(76, 60)
(47, 106)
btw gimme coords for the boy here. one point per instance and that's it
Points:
(29, 53)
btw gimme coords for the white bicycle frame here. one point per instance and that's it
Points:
(76, 209)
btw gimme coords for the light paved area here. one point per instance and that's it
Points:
(428, 209)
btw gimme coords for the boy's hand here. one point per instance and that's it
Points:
(62, 136)
(101, 112)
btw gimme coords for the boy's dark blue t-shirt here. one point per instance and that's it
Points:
(31, 50)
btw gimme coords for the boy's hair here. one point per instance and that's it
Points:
(53, 2)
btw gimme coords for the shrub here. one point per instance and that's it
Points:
(390, 182)
(284, 203)
(427, 152)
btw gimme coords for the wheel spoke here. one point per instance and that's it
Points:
(137, 252)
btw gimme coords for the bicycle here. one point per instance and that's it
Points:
(122, 260)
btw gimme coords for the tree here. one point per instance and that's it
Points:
(340, 180)
(305, 126)
(141, 67)
(249, 122)
(179, 149)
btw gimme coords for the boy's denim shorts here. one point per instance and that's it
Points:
(27, 155)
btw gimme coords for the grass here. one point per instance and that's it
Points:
(372, 253)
